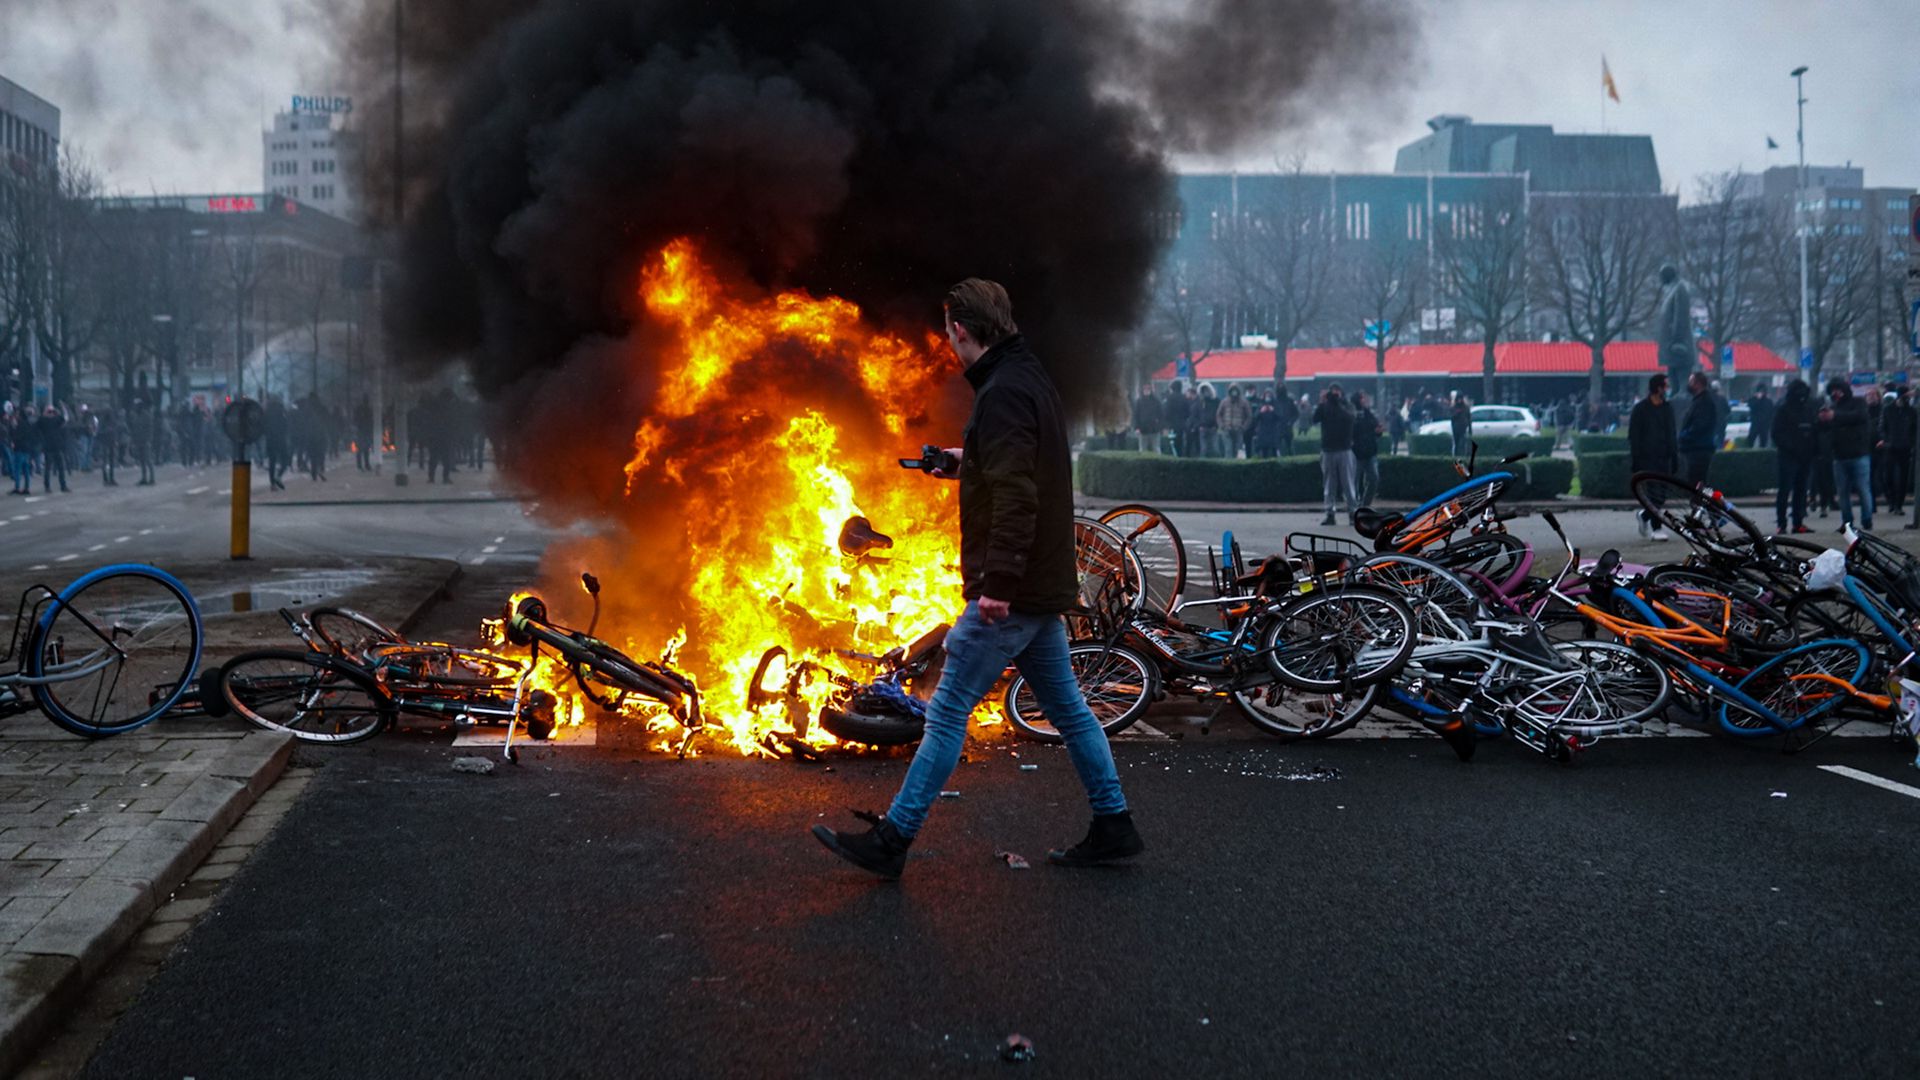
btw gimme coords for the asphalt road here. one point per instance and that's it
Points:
(1681, 906)
(186, 516)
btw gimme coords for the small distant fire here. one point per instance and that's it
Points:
(778, 418)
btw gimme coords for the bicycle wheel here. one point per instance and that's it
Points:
(1439, 517)
(100, 649)
(1445, 605)
(1606, 685)
(1341, 639)
(1112, 586)
(1751, 622)
(1289, 714)
(1157, 546)
(309, 695)
(1501, 558)
(349, 633)
(1699, 514)
(1800, 684)
(1117, 683)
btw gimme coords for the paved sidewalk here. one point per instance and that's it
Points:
(94, 835)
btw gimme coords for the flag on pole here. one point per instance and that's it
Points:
(1771, 145)
(1606, 80)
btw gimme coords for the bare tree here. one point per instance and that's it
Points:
(1380, 284)
(1842, 288)
(1483, 261)
(1184, 298)
(1722, 238)
(1279, 254)
(1594, 263)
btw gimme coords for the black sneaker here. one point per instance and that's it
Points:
(880, 850)
(1110, 838)
(1328, 520)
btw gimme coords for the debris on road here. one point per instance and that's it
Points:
(1015, 861)
(1779, 794)
(1016, 1048)
(949, 794)
(479, 765)
(1029, 768)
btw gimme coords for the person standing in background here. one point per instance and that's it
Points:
(1232, 420)
(1699, 431)
(1366, 448)
(1336, 451)
(1651, 445)
(1146, 420)
(1760, 411)
(1792, 435)
(1898, 424)
(1845, 421)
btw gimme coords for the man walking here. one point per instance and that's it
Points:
(1651, 444)
(1898, 423)
(1018, 575)
(1845, 419)
(1699, 433)
(1366, 448)
(1336, 451)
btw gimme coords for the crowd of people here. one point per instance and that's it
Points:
(53, 443)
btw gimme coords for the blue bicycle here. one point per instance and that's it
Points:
(113, 650)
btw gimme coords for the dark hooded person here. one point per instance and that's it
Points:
(1018, 576)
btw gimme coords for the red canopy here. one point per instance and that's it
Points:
(1509, 358)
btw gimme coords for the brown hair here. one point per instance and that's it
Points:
(983, 308)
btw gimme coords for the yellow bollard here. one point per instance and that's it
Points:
(242, 508)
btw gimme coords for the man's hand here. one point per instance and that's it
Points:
(994, 610)
(958, 453)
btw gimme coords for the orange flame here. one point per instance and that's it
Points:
(777, 419)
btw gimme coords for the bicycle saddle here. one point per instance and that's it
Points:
(1370, 523)
(858, 536)
(1601, 576)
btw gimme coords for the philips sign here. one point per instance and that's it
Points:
(322, 105)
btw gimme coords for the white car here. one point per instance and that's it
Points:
(1739, 424)
(1491, 420)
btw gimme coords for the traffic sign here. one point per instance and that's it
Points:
(1806, 359)
(1913, 328)
(1726, 359)
(1863, 378)
(1913, 222)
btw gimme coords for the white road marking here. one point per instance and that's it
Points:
(35, 498)
(499, 539)
(476, 560)
(144, 532)
(38, 566)
(98, 547)
(197, 490)
(121, 539)
(226, 491)
(22, 517)
(491, 548)
(39, 513)
(496, 735)
(1869, 778)
(68, 558)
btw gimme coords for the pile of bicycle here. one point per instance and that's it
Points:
(1435, 616)
(1440, 619)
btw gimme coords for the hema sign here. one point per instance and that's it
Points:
(322, 104)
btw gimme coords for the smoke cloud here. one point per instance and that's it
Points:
(873, 150)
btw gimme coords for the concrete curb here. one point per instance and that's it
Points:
(420, 610)
(49, 968)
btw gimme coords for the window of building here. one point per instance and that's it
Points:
(1896, 204)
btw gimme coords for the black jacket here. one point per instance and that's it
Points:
(1366, 435)
(1793, 428)
(1336, 425)
(1016, 486)
(1852, 435)
(1699, 432)
(1897, 425)
(1651, 446)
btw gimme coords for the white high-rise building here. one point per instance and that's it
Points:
(306, 159)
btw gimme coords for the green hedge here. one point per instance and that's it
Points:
(1150, 477)
(1600, 444)
(1737, 473)
(1492, 447)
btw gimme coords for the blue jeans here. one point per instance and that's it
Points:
(1850, 475)
(977, 652)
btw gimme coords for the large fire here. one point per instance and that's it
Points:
(777, 419)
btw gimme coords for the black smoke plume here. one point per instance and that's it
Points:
(871, 149)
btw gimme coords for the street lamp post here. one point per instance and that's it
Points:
(1800, 205)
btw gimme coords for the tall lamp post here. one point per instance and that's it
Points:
(1800, 208)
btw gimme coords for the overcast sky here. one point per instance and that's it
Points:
(170, 95)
